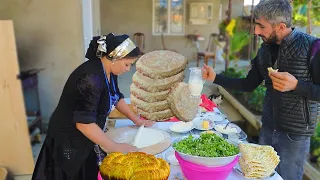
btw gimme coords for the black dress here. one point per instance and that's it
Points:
(66, 153)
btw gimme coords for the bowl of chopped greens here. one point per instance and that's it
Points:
(207, 149)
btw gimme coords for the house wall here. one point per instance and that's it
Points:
(48, 35)
(126, 16)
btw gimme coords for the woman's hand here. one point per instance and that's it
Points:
(146, 123)
(125, 148)
(126, 110)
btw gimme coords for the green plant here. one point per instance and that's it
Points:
(238, 41)
(231, 72)
(256, 98)
(315, 146)
(239, 37)
(300, 8)
(253, 100)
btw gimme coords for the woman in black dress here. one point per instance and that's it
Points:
(76, 129)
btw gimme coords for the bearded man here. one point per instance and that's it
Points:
(290, 108)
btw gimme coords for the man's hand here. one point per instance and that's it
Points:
(208, 73)
(283, 81)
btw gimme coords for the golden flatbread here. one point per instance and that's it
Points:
(257, 161)
(270, 70)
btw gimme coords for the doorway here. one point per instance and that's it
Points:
(90, 21)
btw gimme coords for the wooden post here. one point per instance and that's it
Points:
(251, 36)
(15, 147)
(308, 16)
(227, 36)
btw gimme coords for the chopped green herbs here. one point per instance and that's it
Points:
(207, 145)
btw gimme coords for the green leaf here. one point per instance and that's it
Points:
(207, 145)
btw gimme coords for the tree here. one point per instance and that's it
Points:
(306, 13)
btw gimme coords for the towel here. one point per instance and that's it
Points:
(207, 103)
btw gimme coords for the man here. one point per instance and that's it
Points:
(290, 104)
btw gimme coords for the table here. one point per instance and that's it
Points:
(176, 173)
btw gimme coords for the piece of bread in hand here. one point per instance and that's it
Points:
(270, 70)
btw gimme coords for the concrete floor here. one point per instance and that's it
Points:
(209, 88)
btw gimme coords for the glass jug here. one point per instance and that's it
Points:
(195, 82)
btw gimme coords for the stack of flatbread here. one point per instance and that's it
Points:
(257, 161)
(157, 72)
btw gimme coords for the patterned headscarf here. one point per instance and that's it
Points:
(119, 52)
(114, 47)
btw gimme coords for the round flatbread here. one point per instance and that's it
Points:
(181, 104)
(161, 64)
(149, 107)
(156, 85)
(147, 96)
(156, 116)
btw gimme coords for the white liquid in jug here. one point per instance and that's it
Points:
(195, 88)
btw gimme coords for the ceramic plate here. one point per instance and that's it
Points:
(181, 127)
(214, 116)
(231, 128)
(197, 122)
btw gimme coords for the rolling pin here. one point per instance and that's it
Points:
(138, 135)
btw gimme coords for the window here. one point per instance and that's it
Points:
(247, 6)
(200, 14)
(168, 17)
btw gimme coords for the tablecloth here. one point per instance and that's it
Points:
(176, 173)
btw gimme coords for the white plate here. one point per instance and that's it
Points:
(214, 116)
(197, 122)
(232, 127)
(181, 127)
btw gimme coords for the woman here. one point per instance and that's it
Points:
(76, 130)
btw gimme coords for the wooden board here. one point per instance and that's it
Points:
(3, 173)
(115, 114)
(16, 153)
(127, 134)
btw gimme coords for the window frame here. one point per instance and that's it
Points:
(169, 33)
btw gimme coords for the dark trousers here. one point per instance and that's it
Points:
(292, 149)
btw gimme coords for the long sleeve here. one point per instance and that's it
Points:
(249, 83)
(311, 90)
(89, 88)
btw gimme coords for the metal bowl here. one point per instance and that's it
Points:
(206, 161)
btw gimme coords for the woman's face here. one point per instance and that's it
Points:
(122, 65)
